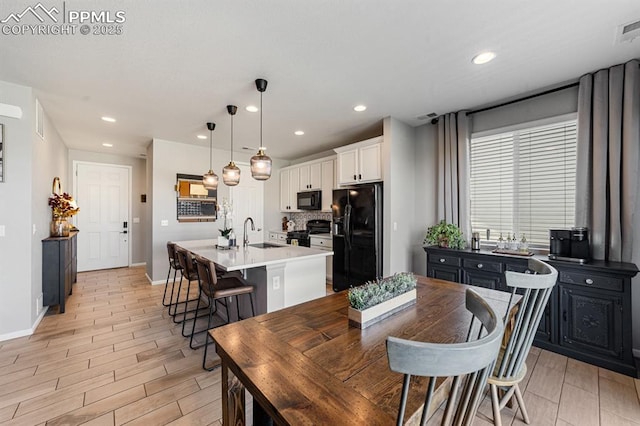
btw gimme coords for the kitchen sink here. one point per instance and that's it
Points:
(264, 245)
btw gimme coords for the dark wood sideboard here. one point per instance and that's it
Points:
(59, 269)
(589, 313)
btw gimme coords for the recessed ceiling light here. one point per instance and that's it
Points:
(359, 108)
(108, 145)
(298, 133)
(483, 58)
(252, 108)
(109, 119)
(202, 137)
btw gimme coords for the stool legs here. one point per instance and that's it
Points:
(211, 313)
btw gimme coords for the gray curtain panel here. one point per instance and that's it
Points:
(608, 159)
(453, 170)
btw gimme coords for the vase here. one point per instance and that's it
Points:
(59, 227)
(374, 314)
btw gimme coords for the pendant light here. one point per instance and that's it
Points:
(210, 179)
(231, 172)
(261, 163)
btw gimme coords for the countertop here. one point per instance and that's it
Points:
(250, 257)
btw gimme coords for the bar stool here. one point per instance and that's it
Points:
(190, 273)
(175, 266)
(217, 290)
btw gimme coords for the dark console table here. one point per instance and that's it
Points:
(589, 313)
(59, 269)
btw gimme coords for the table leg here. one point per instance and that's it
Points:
(233, 401)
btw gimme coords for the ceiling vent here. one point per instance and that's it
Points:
(627, 32)
(427, 116)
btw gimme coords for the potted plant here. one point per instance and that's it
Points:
(376, 300)
(445, 235)
(227, 226)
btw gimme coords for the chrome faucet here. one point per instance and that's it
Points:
(245, 239)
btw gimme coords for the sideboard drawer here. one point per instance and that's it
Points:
(482, 265)
(590, 280)
(444, 259)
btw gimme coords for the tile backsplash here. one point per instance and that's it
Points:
(301, 219)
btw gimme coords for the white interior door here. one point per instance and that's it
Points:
(248, 201)
(103, 220)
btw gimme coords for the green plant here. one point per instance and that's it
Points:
(381, 290)
(445, 234)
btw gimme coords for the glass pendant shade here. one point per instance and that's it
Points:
(210, 179)
(261, 165)
(231, 174)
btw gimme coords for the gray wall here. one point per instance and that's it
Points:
(398, 153)
(30, 163)
(551, 105)
(426, 185)
(138, 231)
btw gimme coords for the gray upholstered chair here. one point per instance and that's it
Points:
(535, 286)
(470, 363)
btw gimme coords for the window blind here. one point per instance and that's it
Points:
(523, 181)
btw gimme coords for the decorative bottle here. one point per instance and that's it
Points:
(524, 244)
(500, 242)
(513, 245)
(232, 239)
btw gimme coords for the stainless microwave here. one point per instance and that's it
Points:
(310, 200)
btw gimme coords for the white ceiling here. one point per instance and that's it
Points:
(179, 63)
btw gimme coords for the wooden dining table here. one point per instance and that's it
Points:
(306, 365)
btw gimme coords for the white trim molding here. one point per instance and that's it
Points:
(10, 111)
(27, 332)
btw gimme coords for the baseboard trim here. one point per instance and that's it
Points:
(27, 332)
(154, 282)
(133, 265)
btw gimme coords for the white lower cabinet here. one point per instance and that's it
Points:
(324, 243)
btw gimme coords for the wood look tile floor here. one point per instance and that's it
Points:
(115, 357)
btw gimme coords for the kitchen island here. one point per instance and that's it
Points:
(283, 275)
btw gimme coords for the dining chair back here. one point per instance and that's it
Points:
(535, 286)
(469, 363)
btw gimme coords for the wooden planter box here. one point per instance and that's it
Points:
(363, 319)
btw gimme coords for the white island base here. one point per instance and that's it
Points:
(283, 276)
(286, 284)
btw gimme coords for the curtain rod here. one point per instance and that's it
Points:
(546, 92)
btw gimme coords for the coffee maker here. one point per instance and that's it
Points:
(569, 244)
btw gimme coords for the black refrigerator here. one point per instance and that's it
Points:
(357, 235)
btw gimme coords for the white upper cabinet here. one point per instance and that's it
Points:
(316, 175)
(328, 183)
(289, 184)
(360, 162)
(310, 176)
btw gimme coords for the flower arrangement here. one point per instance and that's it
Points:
(227, 214)
(375, 292)
(445, 234)
(63, 205)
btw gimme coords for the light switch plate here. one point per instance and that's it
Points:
(136, 220)
(2, 230)
(164, 222)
